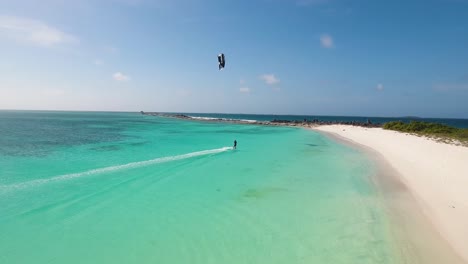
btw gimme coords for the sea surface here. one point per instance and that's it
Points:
(96, 187)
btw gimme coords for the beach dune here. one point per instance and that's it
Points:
(435, 173)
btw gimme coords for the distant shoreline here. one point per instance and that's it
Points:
(306, 123)
(452, 134)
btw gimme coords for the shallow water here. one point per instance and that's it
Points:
(83, 187)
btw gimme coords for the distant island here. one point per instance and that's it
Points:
(410, 117)
(275, 122)
(436, 131)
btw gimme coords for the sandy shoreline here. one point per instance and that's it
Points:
(428, 192)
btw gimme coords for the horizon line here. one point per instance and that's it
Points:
(217, 113)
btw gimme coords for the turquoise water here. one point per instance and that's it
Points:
(79, 187)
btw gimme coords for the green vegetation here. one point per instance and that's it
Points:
(440, 132)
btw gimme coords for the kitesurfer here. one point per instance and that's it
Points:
(221, 61)
(235, 144)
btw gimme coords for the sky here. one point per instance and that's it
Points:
(314, 57)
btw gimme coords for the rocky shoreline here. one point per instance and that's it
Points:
(309, 123)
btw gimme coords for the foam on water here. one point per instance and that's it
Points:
(223, 119)
(131, 165)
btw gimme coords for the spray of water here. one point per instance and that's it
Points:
(131, 165)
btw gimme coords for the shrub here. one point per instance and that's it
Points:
(429, 129)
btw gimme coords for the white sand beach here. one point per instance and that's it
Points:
(435, 173)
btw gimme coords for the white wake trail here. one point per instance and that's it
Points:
(131, 165)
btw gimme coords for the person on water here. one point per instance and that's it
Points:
(235, 144)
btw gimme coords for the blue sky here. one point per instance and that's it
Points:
(319, 57)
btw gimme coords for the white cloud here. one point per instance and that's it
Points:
(184, 93)
(269, 79)
(380, 87)
(118, 76)
(311, 2)
(326, 41)
(131, 2)
(451, 87)
(53, 92)
(244, 90)
(111, 49)
(98, 62)
(32, 31)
